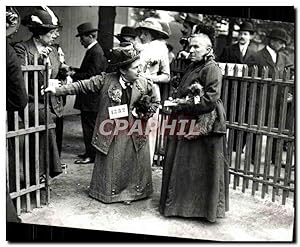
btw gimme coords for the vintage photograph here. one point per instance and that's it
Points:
(169, 121)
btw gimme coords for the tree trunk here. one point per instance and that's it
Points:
(106, 28)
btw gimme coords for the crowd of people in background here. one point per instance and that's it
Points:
(195, 176)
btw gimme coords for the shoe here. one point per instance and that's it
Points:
(82, 156)
(127, 202)
(84, 160)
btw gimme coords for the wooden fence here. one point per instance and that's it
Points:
(24, 188)
(260, 124)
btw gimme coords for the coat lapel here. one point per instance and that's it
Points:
(237, 53)
(268, 59)
(113, 87)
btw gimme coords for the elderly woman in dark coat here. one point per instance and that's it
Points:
(44, 25)
(195, 173)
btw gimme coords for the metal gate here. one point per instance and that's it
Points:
(24, 189)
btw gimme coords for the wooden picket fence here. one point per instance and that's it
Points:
(26, 193)
(260, 118)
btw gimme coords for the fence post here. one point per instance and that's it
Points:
(251, 115)
(46, 103)
(260, 123)
(235, 82)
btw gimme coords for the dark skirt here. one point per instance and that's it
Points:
(123, 174)
(195, 178)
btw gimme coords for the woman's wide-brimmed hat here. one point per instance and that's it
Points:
(124, 54)
(13, 20)
(154, 25)
(126, 31)
(41, 18)
(85, 28)
(280, 34)
(247, 26)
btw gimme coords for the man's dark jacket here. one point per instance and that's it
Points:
(94, 62)
(232, 54)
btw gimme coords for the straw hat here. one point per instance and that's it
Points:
(154, 25)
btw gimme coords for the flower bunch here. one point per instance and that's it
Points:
(115, 94)
(143, 108)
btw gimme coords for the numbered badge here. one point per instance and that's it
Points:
(118, 111)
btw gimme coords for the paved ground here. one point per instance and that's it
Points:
(249, 219)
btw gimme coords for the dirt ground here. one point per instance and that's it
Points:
(249, 219)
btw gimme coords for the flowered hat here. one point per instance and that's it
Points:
(124, 54)
(42, 17)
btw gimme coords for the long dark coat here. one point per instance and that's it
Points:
(93, 63)
(122, 168)
(195, 175)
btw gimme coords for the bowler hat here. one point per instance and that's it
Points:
(12, 20)
(41, 18)
(85, 28)
(154, 25)
(192, 19)
(126, 31)
(279, 33)
(124, 54)
(247, 26)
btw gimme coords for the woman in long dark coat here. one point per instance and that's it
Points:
(122, 171)
(195, 173)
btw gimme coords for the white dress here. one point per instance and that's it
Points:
(155, 65)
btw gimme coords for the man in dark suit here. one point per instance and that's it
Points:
(94, 62)
(241, 52)
(272, 55)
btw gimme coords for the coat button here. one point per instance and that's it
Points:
(113, 192)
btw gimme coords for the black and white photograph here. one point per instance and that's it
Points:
(150, 123)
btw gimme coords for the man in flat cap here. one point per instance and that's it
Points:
(94, 62)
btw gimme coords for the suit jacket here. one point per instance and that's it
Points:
(264, 59)
(94, 62)
(28, 49)
(16, 96)
(209, 75)
(232, 54)
(105, 85)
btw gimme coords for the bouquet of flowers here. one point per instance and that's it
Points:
(143, 108)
